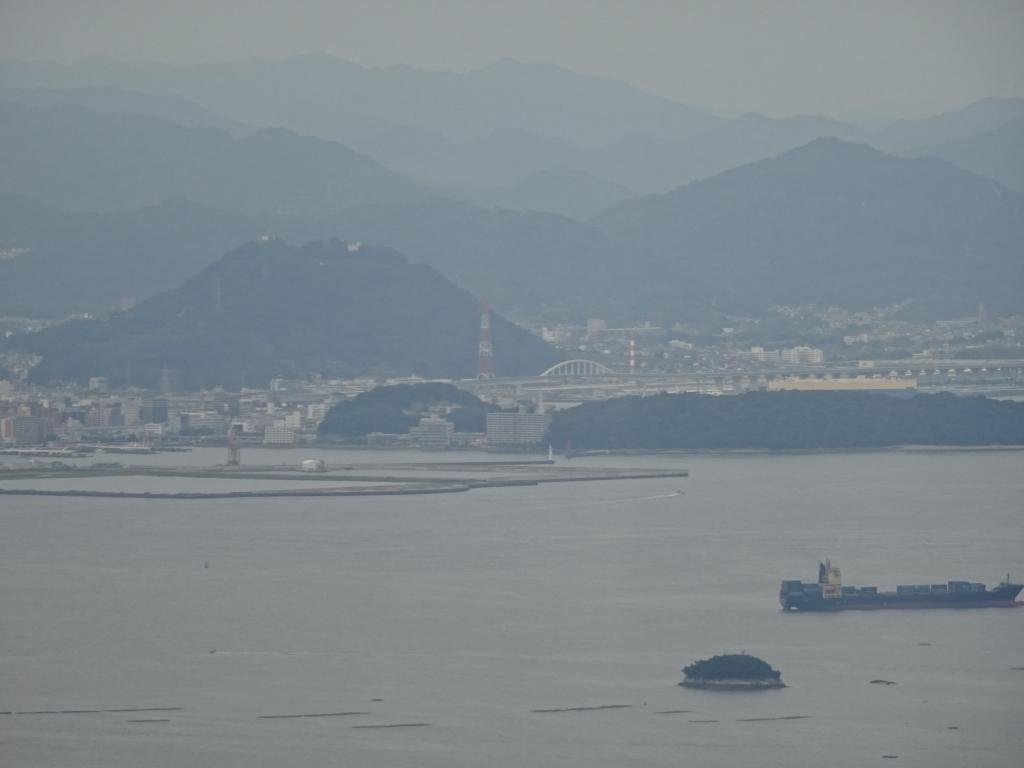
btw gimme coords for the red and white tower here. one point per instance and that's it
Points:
(485, 354)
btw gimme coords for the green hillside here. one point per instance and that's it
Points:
(268, 309)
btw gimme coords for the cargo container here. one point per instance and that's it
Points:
(829, 594)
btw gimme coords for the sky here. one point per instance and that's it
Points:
(858, 59)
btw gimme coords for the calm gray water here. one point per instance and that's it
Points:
(467, 611)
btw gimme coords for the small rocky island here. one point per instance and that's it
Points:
(732, 672)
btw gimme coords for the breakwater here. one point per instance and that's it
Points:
(377, 485)
(382, 490)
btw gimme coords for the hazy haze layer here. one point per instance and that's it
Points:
(848, 60)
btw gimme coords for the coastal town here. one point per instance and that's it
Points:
(973, 355)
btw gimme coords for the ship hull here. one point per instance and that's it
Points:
(810, 599)
(833, 605)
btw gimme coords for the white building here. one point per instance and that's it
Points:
(764, 355)
(210, 421)
(432, 432)
(516, 428)
(803, 355)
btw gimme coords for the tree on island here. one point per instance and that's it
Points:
(787, 421)
(396, 408)
(732, 666)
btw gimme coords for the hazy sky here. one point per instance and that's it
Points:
(848, 59)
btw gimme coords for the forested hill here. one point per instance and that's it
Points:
(787, 421)
(269, 309)
(398, 408)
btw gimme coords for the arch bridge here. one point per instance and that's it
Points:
(578, 368)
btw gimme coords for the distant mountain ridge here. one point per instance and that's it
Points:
(268, 309)
(559, 189)
(337, 99)
(73, 158)
(529, 264)
(170, 107)
(982, 116)
(997, 154)
(491, 127)
(655, 164)
(66, 262)
(830, 223)
(61, 262)
(834, 223)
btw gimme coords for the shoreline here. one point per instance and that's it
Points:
(908, 448)
(733, 684)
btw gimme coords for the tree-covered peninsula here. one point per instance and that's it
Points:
(396, 409)
(787, 421)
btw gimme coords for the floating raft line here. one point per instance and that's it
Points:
(583, 709)
(91, 711)
(313, 714)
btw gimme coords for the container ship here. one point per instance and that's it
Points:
(829, 594)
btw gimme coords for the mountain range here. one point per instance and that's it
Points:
(492, 127)
(150, 200)
(997, 154)
(54, 263)
(105, 98)
(830, 223)
(337, 99)
(834, 223)
(71, 157)
(977, 118)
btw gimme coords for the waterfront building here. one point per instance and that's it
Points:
(28, 430)
(802, 355)
(516, 428)
(278, 435)
(763, 355)
(104, 415)
(131, 411)
(432, 432)
(206, 421)
(154, 410)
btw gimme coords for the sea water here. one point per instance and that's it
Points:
(456, 619)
